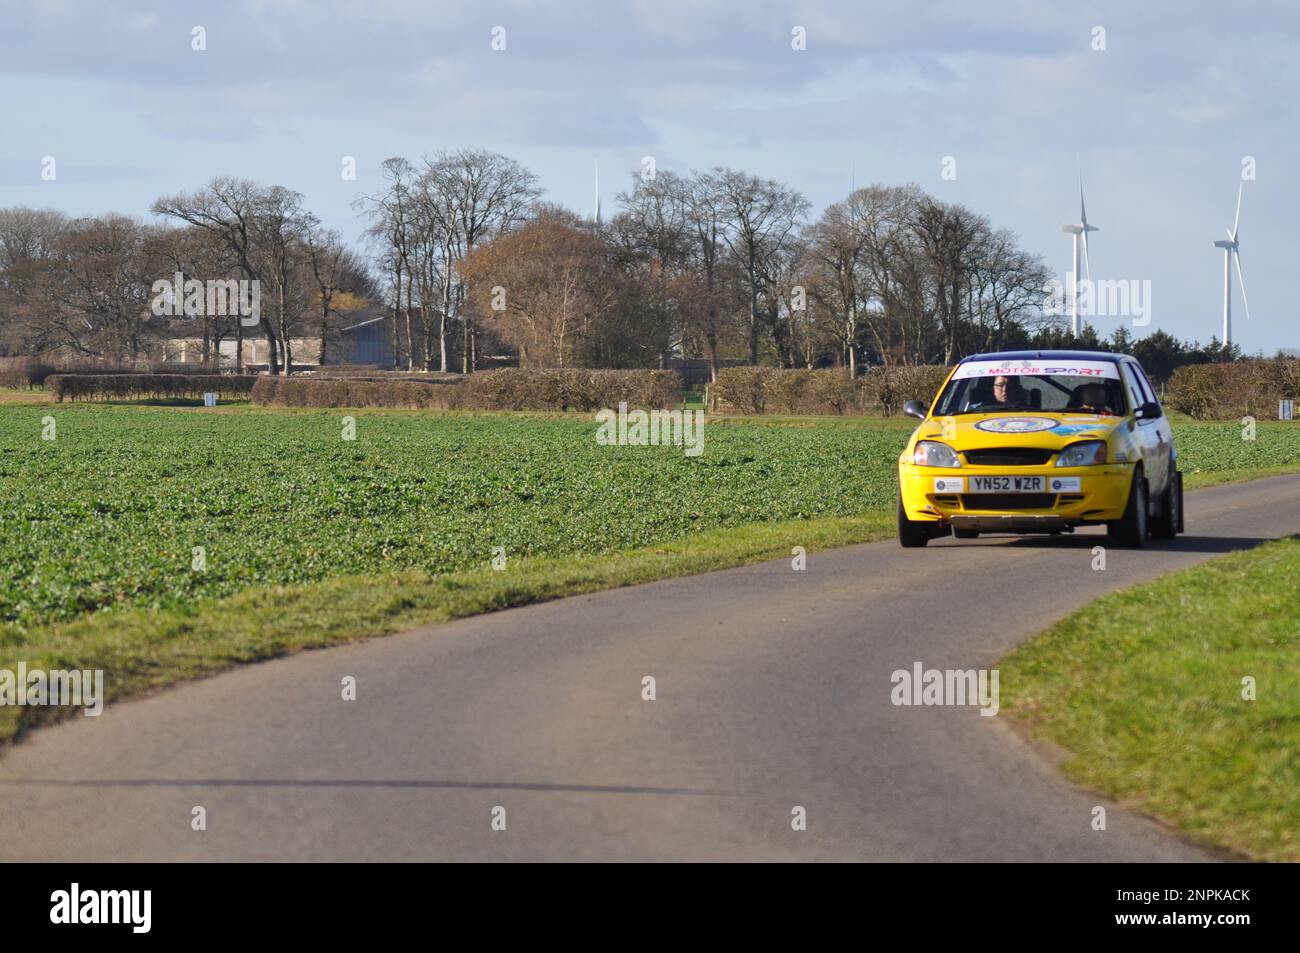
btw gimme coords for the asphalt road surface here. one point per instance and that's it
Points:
(772, 692)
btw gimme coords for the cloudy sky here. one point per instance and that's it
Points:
(1159, 120)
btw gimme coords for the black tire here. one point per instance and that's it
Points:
(911, 533)
(1131, 529)
(965, 533)
(1182, 511)
(1170, 521)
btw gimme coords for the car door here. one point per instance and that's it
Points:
(1154, 435)
(1165, 429)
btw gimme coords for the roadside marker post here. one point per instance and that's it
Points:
(209, 399)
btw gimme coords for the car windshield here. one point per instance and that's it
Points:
(983, 387)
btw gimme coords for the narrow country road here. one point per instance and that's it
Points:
(773, 691)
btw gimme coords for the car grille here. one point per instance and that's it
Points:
(1009, 457)
(1007, 501)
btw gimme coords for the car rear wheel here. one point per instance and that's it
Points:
(1170, 521)
(911, 533)
(1131, 528)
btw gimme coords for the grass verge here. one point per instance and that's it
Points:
(1202, 478)
(1144, 689)
(142, 649)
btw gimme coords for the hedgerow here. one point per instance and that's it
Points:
(32, 372)
(154, 386)
(774, 390)
(1233, 390)
(508, 389)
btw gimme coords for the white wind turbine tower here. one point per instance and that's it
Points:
(1232, 248)
(1079, 230)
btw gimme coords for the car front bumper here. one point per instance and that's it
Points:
(1101, 496)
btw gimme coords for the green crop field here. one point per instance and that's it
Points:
(110, 512)
(1217, 452)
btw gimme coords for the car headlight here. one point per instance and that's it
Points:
(929, 453)
(1086, 454)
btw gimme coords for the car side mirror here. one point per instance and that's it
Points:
(914, 408)
(1149, 411)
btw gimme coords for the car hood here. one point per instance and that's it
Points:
(1049, 431)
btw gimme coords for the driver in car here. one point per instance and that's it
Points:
(1007, 390)
(1091, 399)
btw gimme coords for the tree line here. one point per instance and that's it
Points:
(470, 263)
(90, 287)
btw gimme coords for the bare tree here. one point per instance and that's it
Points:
(1005, 289)
(653, 237)
(282, 227)
(106, 291)
(425, 224)
(228, 208)
(704, 212)
(947, 236)
(837, 272)
(486, 194)
(760, 217)
(444, 247)
(393, 229)
(29, 255)
(336, 271)
(193, 252)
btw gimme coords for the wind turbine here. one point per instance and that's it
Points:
(1079, 230)
(1231, 248)
(597, 161)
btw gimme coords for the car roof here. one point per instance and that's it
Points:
(1048, 355)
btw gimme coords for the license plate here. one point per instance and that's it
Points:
(1006, 484)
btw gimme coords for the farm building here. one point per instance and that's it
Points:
(188, 349)
(368, 342)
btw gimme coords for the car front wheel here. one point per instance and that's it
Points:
(911, 533)
(1131, 528)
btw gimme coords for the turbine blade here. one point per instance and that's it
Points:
(1237, 219)
(1083, 211)
(1086, 260)
(1241, 280)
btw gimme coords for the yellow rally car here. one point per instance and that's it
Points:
(1040, 442)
